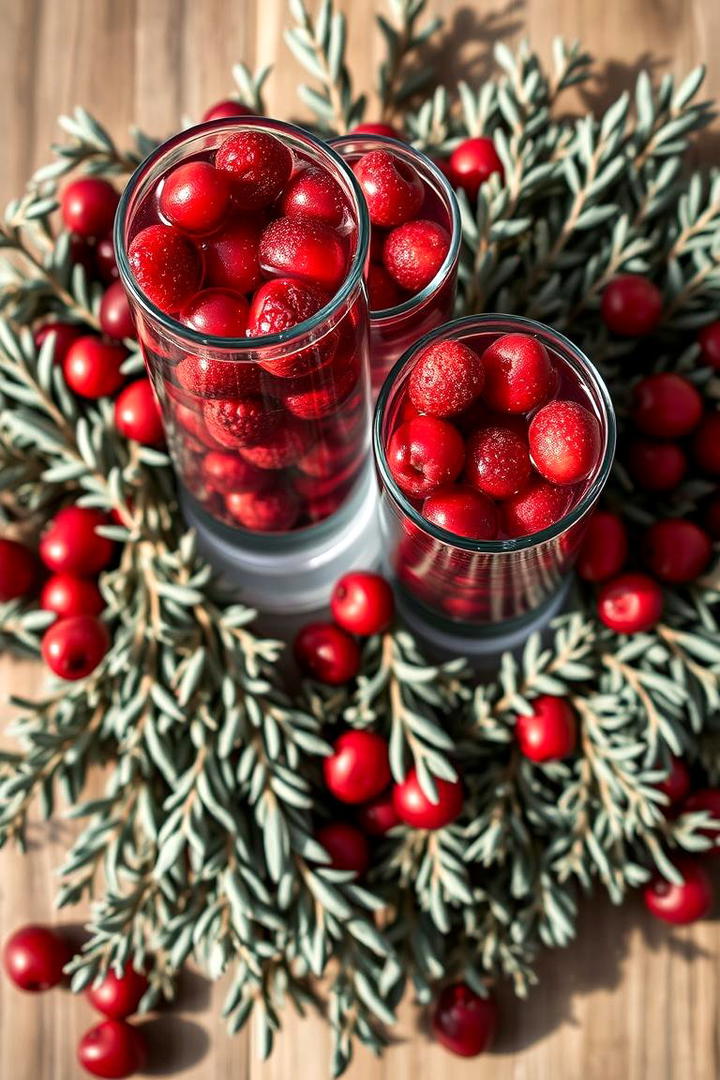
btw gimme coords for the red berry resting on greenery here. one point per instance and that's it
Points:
(88, 206)
(137, 414)
(358, 768)
(115, 314)
(34, 958)
(165, 265)
(113, 1049)
(709, 341)
(327, 653)
(656, 466)
(676, 784)
(708, 800)
(226, 110)
(73, 647)
(604, 548)
(706, 444)
(565, 442)
(375, 128)
(259, 164)
(71, 542)
(535, 507)
(195, 196)
(314, 193)
(414, 808)
(677, 551)
(232, 256)
(497, 461)
(631, 305)
(378, 816)
(684, 903)
(92, 367)
(472, 163)
(346, 846)
(63, 334)
(519, 374)
(549, 733)
(630, 603)
(363, 603)
(414, 253)
(463, 1022)
(118, 996)
(462, 510)
(68, 594)
(446, 379)
(104, 259)
(18, 570)
(274, 510)
(393, 191)
(383, 292)
(425, 453)
(304, 248)
(666, 406)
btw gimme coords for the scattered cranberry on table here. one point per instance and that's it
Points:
(105, 263)
(71, 542)
(346, 845)
(376, 128)
(64, 335)
(34, 958)
(226, 110)
(549, 732)
(362, 603)
(18, 570)
(327, 653)
(74, 646)
(416, 809)
(685, 903)
(113, 1049)
(88, 206)
(69, 594)
(676, 784)
(92, 367)
(604, 548)
(137, 414)
(358, 769)
(473, 162)
(656, 466)
(631, 305)
(118, 996)
(709, 341)
(378, 816)
(677, 551)
(630, 603)
(463, 1022)
(706, 444)
(665, 406)
(115, 314)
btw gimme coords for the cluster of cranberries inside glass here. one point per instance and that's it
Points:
(493, 441)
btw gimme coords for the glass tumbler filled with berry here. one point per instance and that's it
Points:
(493, 438)
(241, 244)
(414, 244)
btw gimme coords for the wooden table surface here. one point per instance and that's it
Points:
(630, 1000)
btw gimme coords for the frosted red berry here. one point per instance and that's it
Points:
(315, 402)
(363, 603)
(463, 511)
(630, 603)
(88, 206)
(472, 163)
(115, 313)
(681, 904)
(272, 510)
(656, 466)
(313, 193)
(393, 191)
(63, 335)
(18, 570)
(414, 808)
(665, 406)
(92, 367)
(326, 653)
(358, 768)
(676, 784)
(69, 594)
(304, 248)
(383, 292)
(565, 442)
(346, 845)
(195, 196)
(549, 732)
(284, 445)
(604, 548)
(706, 444)
(137, 414)
(165, 265)
(519, 374)
(677, 551)
(34, 958)
(378, 816)
(209, 377)
(118, 996)
(237, 422)
(73, 647)
(709, 341)
(226, 473)
(414, 253)
(72, 544)
(280, 305)
(259, 164)
(463, 1022)
(232, 255)
(536, 507)
(113, 1049)
(425, 453)
(631, 305)
(497, 461)
(226, 110)
(446, 379)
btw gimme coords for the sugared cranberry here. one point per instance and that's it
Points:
(315, 402)
(684, 903)
(137, 414)
(676, 784)
(217, 313)
(630, 603)
(118, 996)
(327, 653)
(105, 261)
(413, 253)
(565, 442)
(226, 473)
(604, 548)
(709, 341)
(666, 406)
(358, 768)
(259, 164)
(363, 603)
(74, 646)
(71, 543)
(112, 1049)
(549, 732)
(446, 379)
(115, 314)
(656, 466)
(274, 510)
(631, 305)
(232, 255)
(414, 807)
(706, 444)
(304, 248)
(497, 461)
(314, 193)
(463, 511)
(284, 445)
(34, 958)
(213, 378)
(383, 293)
(226, 110)
(519, 374)
(378, 816)
(463, 1022)
(425, 453)
(346, 846)
(165, 265)
(280, 305)
(393, 191)
(472, 163)
(376, 128)
(535, 507)
(18, 571)
(68, 594)
(88, 206)
(92, 367)
(707, 799)
(677, 551)
(63, 334)
(236, 422)
(195, 196)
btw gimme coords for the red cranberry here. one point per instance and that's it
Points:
(73, 647)
(68, 594)
(684, 903)
(707, 799)
(497, 461)
(413, 253)
(378, 816)
(137, 414)
(212, 378)
(18, 571)
(325, 459)
(236, 422)
(280, 305)
(115, 313)
(165, 265)
(446, 379)
(519, 374)
(373, 128)
(305, 248)
(217, 313)
(363, 603)
(260, 166)
(346, 846)
(565, 442)
(656, 466)
(34, 958)
(328, 654)
(604, 549)
(63, 334)
(706, 444)
(92, 367)
(195, 196)
(314, 193)
(71, 543)
(274, 510)
(118, 996)
(414, 807)
(462, 511)
(358, 768)
(112, 1049)
(424, 454)
(283, 446)
(383, 293)
(105, 261)
(316, 402)
(631, 305)
(472, 163)
(226, 473)
(549, 733)
(630, 603)
(666, 406)
(709, 341)
(232, 255)
(393, 191)
(536, 507)
(677, 551)
(676, 784)
(226, 110)
(463, 1022)
(88, 206)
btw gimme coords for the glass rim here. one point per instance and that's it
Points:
(520, 543)
(353, 277)
(386, 314)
